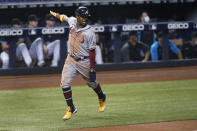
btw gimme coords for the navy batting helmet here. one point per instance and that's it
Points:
(82, 11)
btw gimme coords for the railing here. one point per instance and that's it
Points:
(63, 32)
(19, 3)
(157, 26)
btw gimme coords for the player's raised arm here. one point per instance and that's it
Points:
(61, 17)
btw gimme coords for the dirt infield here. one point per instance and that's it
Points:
(190, 125)
(108, 77)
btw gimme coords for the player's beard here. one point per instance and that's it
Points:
(83, 24)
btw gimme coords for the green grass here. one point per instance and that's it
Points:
(132, 103)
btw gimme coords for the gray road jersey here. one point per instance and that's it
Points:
(80, 40)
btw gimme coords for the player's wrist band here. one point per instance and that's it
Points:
(62, 18)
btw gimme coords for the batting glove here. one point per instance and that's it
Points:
(60, 17)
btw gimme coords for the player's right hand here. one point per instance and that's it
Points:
(53, 13)
(60, 17)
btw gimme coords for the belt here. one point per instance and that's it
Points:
(80, 58)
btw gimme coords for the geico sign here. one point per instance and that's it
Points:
(99, 28)
(133, 27)
(53, 30)
(11, 32)
(178, 26)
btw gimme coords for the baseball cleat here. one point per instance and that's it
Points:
(102, 103)
(69, 113)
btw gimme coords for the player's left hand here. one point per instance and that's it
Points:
(92, 75)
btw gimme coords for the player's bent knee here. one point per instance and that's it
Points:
(5, 58)
(64, 86)
(92, 85)
(22, 45)
(5, 61)
(38, 39)
(57, 41)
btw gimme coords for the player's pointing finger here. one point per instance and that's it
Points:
(52, 13)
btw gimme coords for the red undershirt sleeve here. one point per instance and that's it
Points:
(92, 59)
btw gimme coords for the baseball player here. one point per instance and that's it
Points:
(51, 44)
(80, 59)
(4, 56)
(98, 51)
(34, 42)
(22, 52)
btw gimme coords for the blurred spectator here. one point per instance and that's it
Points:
(176, 39)
(22, 52)
(156, 49)
(175, 35)
(134, 50)
(4, 57)
(146, 37)
(99, 50)
(171, 20)
(34, 42)
(51, 44)
(0, 46)
(114, 53)
(0, 54)
(190, 48)
(144, 17)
